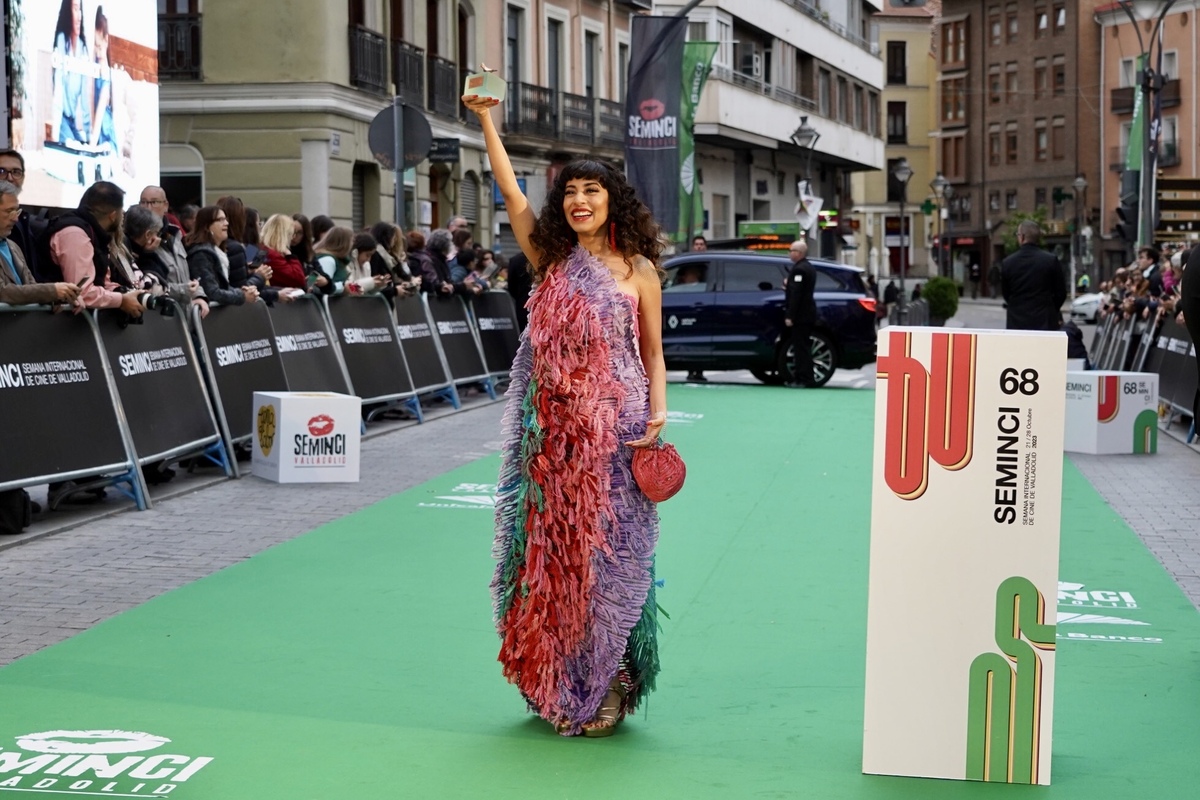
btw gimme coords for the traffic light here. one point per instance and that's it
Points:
(1127, 212)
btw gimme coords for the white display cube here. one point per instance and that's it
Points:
(1112, 413)
(306, 437)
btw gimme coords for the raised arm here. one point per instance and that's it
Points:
(520, 215)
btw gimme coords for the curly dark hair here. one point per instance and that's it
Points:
(635, 230)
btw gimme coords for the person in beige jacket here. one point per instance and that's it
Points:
(17, 285)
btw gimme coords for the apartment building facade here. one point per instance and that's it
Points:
(1178, 145)
(904, 36)
(1018, 120)
(779, 61)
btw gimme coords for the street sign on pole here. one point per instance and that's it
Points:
(399, 138)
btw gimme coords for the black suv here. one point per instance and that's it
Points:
(724, 310)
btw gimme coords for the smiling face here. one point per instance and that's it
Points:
(585, 202)
(219, 228)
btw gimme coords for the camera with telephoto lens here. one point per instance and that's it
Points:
(157, 302)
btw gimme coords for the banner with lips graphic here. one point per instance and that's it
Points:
(652, 109)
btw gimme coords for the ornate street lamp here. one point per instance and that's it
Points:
(903, 173)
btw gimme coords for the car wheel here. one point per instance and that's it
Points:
(824, 355)
(768, 376)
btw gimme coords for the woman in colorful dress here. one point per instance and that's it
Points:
(575, 536)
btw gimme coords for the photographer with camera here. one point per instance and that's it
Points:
(157, 265)
(75, 249)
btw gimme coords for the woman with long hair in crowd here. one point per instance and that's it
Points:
(575, 535)
(333, 261)
(251, 235)
(390, 258)
(321, 225)
(275, 246)
(362, 279)
(208, 262)
(302, 240)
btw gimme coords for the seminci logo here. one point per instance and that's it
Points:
(95, 763)
(929, 415)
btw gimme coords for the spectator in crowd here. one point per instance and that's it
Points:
(418, 259)
(240, 271)
(1149, 263)
(171, 251)
(187, 218)
(390, 258)
(28, 228)
(302, 240)
(75, 249)
(436, 278)
(252, 233)
(699, 244)
(891, 293)
(17, 284)
(287, 271)
(1033, 283)
(155, 198)
(1076, 349)
(462, 264)
(143, 237)
(460, 239)
(455, 225)
(125, 271)
(520, 285)
(321, 225)
(363, 279)
(975, 274)
(476, 276)
(208, 262)
(916, 291)
(333, 261)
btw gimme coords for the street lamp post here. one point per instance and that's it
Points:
(903, 173)
(1150, 82)
(805, 137)
(1081, 185)
(939, 185)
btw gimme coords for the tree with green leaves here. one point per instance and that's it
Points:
(1014, 221)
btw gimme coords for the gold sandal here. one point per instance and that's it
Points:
(611, 712)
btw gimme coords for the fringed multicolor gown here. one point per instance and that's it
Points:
(574, 586)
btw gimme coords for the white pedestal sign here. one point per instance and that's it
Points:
(1112, 412)
(306, 437)
(966, 504)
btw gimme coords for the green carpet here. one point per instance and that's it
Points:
(359, 660)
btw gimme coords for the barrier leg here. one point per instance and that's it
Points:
(135, 491)
(1192, 431)
(217, 454)
(490, 385)
(450, 393)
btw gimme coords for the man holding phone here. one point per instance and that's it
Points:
(17, 285)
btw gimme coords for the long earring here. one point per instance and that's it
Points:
(612, 235)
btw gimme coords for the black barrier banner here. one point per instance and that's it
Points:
(307, 348)
(496, 322)
(367, 336)
(463, 358)
(420, 345)
(239, 348)
(155, 372)
(1174, 359)
(55, 402)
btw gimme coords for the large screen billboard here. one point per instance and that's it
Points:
(85, 95)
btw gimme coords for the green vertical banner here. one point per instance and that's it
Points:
(697, 62)
(1136, 148)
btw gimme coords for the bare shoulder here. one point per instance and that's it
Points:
(644, 269)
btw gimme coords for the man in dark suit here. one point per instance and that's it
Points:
(800, 313)
(1033, 283)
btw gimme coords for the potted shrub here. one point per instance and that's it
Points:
(942, 296)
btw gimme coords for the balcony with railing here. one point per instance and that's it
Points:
(812, 9)
(443, 86)
(611, 130)
(759, 86)
(179, 47)
(368, 60)
(408, 72)
(532, 112)
(578, 118)
(1124, 97)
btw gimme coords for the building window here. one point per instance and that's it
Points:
(1060, 19)
(1010, 82)
(622, 71)
(1010, 200)
(1010, 13)
(1058, 139)
(897, 63)
(995, 27)
(873, 114)
(993, 201)
(994, 145)
(953, 157)
(895, 189)
(860, 100)
(824, 83)
(554, 54)
(1128, 76)
(954, 44)
(1010, 143)
(1041, 79)
(995, 85)
(1041, 23)
(591, 60)
(1039, 197)
(843, 100)
(720, 216)
(898, 122)
(954, 100)
(513, 45)
(1041, 140)
(1059, 202)
(1170, 65)
(1060, 75)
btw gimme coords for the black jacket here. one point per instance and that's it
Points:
(436, 273)
(205, 266)
(50, 271)
(27, 233)
(520, 284)
(801, 307)
(1034, 287)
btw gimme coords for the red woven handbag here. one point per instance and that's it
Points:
(659, 471)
